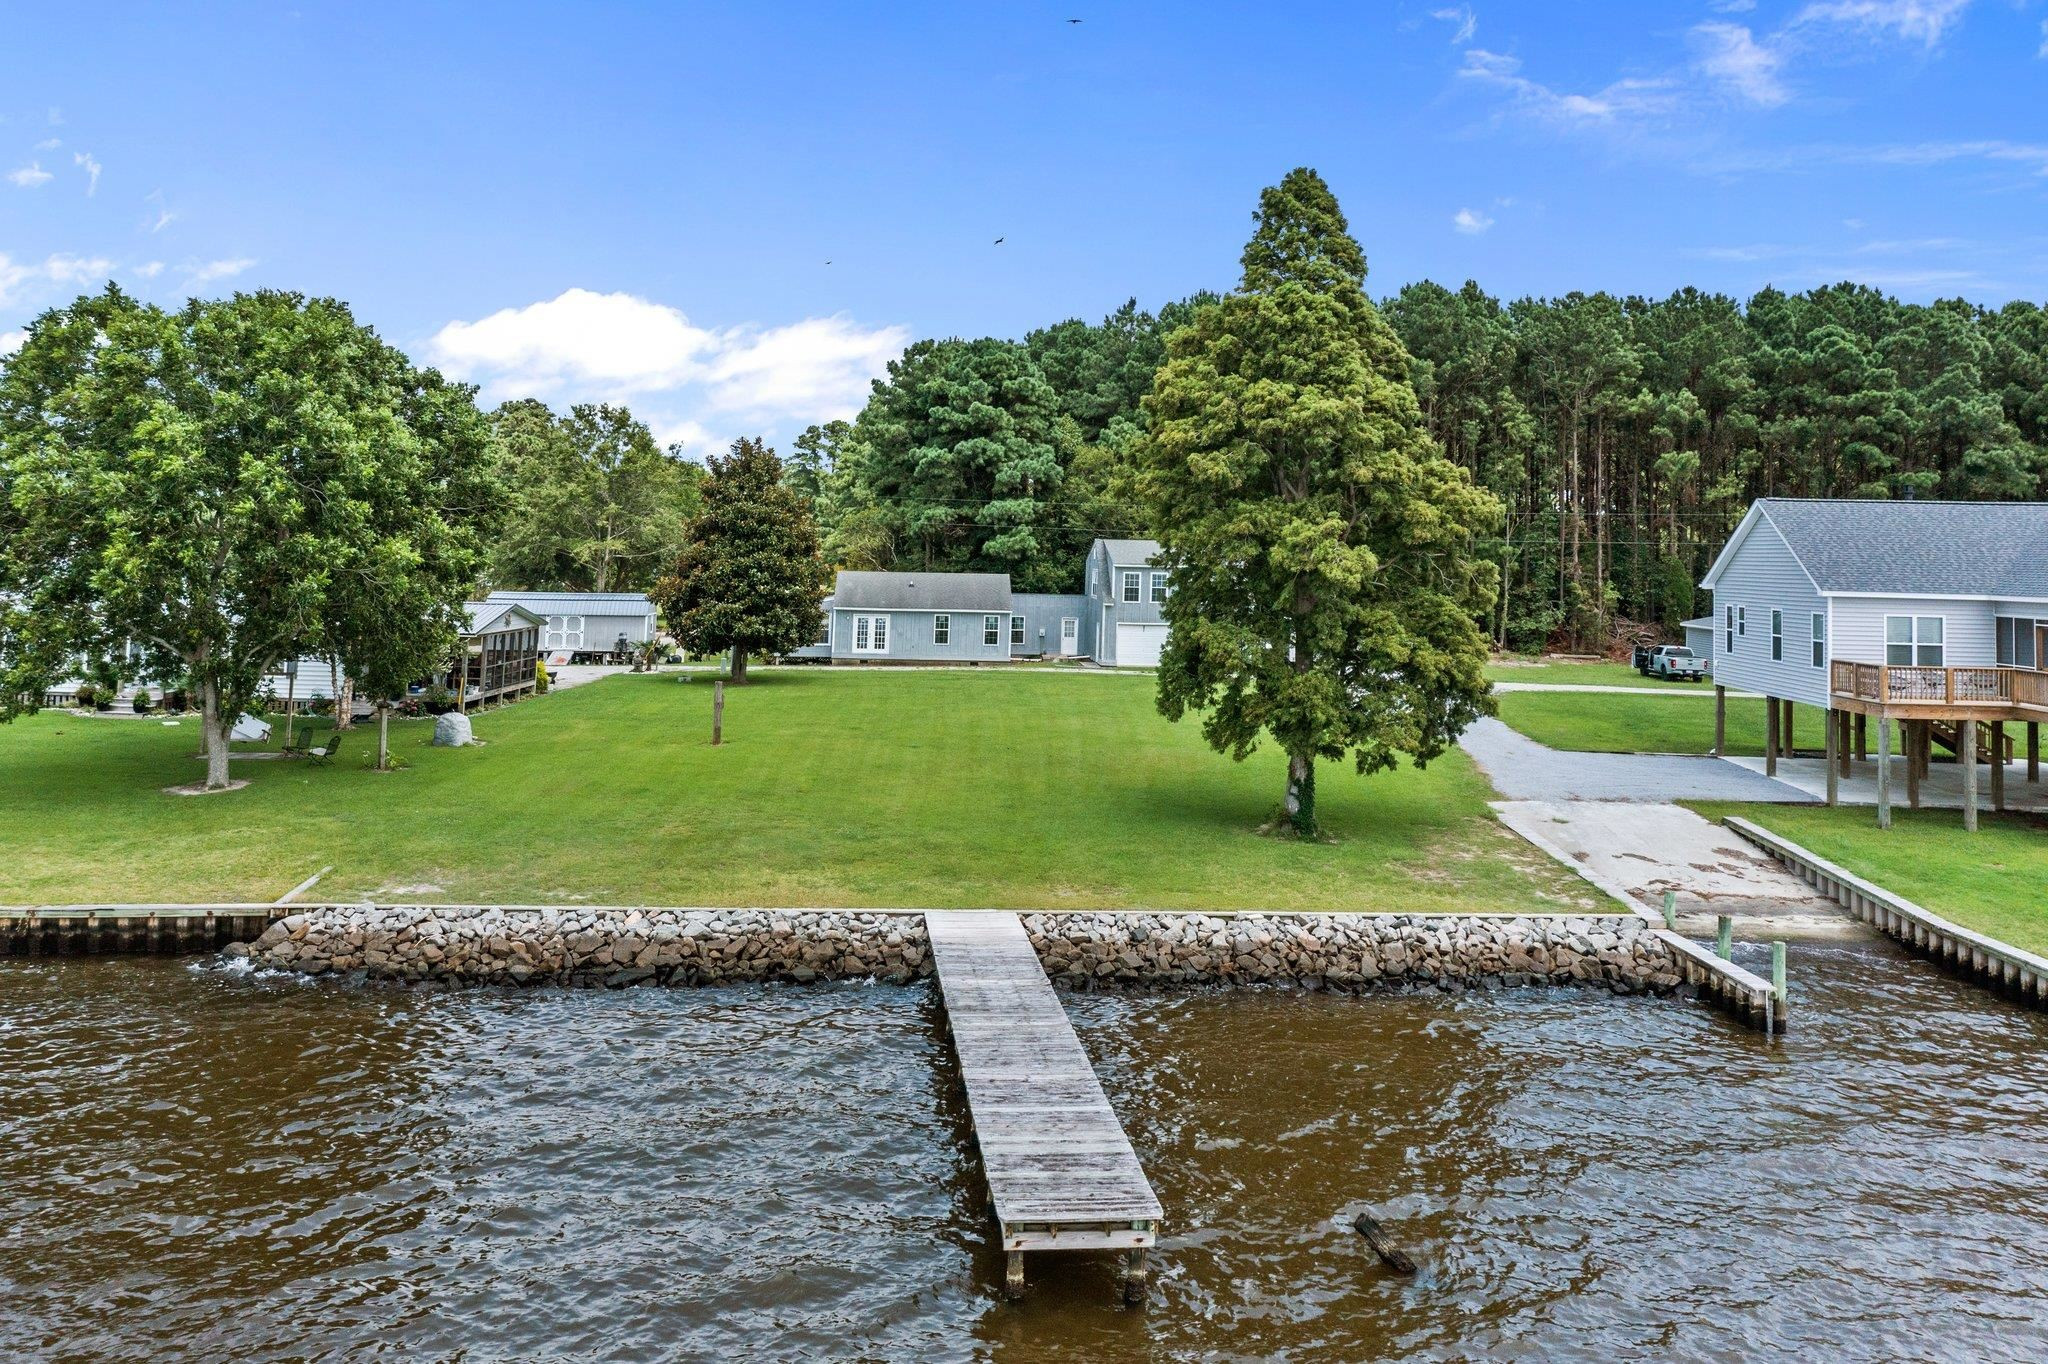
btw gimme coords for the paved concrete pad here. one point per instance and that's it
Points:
(1942, 789)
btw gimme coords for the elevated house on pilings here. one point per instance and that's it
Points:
(1931, 616)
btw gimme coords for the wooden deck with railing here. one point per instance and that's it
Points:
(1976, 693)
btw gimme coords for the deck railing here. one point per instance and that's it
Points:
(1974, 686)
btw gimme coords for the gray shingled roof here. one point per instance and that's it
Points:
(923, 592)
(1959, 549)
(1132, 551)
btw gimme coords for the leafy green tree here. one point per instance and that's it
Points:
(751, 580)
(208, 490)
(1326, 591)
(597, 505)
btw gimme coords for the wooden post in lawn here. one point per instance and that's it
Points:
(1721, 721)
(1915, 734)
(717, 713)
(1884, 773)
(1966, 754)
(1834, 773)
(1998, 764)
(2033, 750)
(1770, 736)
(1785, 729)
(1843, 745)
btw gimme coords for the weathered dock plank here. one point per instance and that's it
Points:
(1060, 1171)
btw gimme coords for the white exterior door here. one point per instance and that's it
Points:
(871, 634)
(1138, 646)
(563, 632)
(1070, 635)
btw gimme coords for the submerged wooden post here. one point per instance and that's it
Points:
(1770, 736)
(1721, 721)
(1135, 1275)
(1391, 1255)
(1884, 773)
(1724, 937)
(1998, 764)
(717, 713)
(1834, 774)
(1013, 1275)
(1966, 754)
(1778, 986)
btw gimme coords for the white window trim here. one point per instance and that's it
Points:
(1777, 635)
(1016, 629)
(865, 626)
(992, 632)
(1916, 643)
(1156, 587)
(1130, 587)
(1817, 632)
(1728, 627)
(942, 622)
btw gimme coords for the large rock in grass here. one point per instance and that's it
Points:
(452, 730)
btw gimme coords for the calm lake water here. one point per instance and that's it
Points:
(197, 1165)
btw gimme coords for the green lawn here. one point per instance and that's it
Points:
(1647, 724)
(1584, 675)
(834, 787)
(1989, 880)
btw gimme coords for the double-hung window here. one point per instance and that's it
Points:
(1819, 633)
(1742, 621)
(1777, 636)
(1017, 628)
(1131, 586)
(991, 629)
(825, 630)
(1913, 641)
(1158, 588)
(1728, 630)
(942, 629)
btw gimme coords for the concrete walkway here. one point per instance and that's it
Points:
(1611, 817)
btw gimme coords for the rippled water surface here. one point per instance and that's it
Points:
(199, 1165)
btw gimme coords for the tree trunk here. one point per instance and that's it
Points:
(344, 701)
(1301, 794)
(738, 670)
(383, 736)
(215, 728)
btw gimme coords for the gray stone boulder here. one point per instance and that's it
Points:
(452, 730)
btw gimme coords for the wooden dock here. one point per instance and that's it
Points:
(1061, 1173)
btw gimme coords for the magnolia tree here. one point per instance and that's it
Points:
(751, 580)
(1325, 583)
(203, 492)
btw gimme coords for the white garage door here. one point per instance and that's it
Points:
(1138, 646)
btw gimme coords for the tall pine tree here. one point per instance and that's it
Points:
(1326, 590)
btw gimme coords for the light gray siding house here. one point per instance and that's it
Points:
(976, 618)
(1931, 614)
(1699, 637)
(590, 624)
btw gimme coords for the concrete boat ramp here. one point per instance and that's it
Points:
(1061, 1173)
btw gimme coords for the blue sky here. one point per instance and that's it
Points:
(639, 202)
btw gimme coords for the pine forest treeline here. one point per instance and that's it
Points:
(1624, 436)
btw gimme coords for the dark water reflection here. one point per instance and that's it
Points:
(202, 1166)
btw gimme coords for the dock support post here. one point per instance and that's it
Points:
(1914, 737)
(1998, 764)
(1013, 1276)
(1770, 736)
(1834, 774)
(1843, 746)
(1724, 937)
(1135, 1276)
(1721, 721)
(1966, 754)
(2033, 750)
(1778, 986)
(1862, 737)
(1884, 773)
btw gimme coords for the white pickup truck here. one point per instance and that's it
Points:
(1673, 662)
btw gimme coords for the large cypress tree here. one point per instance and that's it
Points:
(751, 580)
(1326, 589)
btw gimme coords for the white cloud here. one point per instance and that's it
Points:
(1731, 55)
(583, 346)
(1732, 6)
(149, 270)
(92, 170)
(209, 271)
(1925, 20)
(1467, 22)
(1628, 97)
(1469, 222)
(49, 144)
(34, 278)
(30, 176)
(162, 215)
(11, 342)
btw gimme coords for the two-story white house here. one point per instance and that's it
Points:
(1933, 615)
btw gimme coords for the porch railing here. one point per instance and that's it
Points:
(1975, 686)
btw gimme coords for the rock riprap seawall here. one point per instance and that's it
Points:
(1355, 952)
